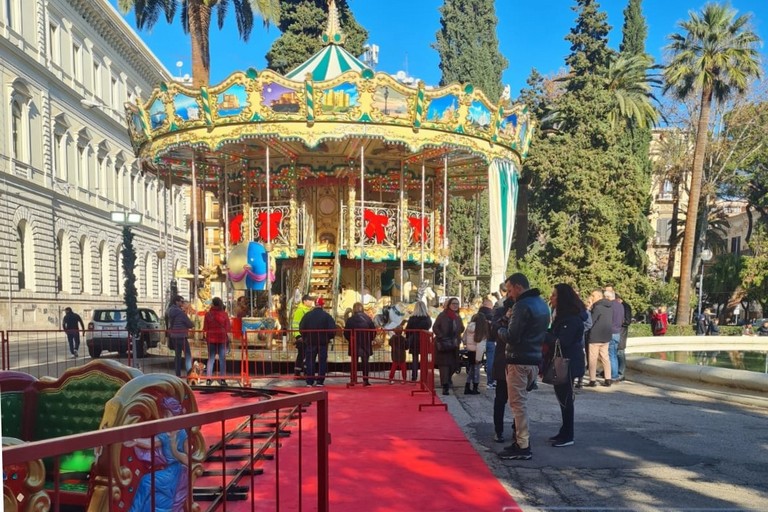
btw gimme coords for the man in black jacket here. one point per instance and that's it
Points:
(522, 340)
(317, 329)
(70, 324)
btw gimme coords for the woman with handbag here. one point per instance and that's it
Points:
(566, 339)
(447, 330)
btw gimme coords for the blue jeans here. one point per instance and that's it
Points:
(613, 348)
(319, 350)
(180, 344)
(490, 350)
(415, 366)
(221, 350)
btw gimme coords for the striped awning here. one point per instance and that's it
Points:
(328, 63)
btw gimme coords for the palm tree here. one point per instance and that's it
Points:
(196, 21)
(715, 57)
(628, 80)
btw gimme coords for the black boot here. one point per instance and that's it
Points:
(467, 391)
(445, 389)
(607, 383)
(474, 389)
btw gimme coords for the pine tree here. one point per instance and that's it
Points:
(468, 46)
(302, 22)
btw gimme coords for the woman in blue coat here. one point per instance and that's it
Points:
(567, 327)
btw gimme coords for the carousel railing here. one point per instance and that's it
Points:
(420, 230)
(272, 224)
(378, 221)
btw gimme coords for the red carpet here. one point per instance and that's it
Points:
(385, 455)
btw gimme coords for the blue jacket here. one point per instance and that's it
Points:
(526, 330)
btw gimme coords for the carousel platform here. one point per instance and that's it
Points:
(384, 455)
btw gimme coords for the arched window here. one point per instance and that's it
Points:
(81, 248)
(104, 268)
(63, 263)
(20, 256)
(17, 133)
(148, 281)
(119, 270)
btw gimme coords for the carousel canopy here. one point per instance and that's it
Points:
(328, 63)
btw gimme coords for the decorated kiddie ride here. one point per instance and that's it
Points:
(331, 178)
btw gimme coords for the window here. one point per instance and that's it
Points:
(57, 164)
(104, 267)
(115, 92)
(16, 130)
(666, 190)
(20, 257)
(663, 231)
(736, 245)
(77, 62)
(97, 80)
(59, 254)
(53, 43)
(84, 250)
(82, 167)
(119, 271)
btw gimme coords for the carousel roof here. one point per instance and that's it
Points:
(328, 63)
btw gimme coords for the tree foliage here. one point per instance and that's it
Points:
(589, 193)
(131, 294)
(754, 274)
(468, 46)
(302, 23)
(468, 222)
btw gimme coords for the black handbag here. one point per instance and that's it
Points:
(557, 371)
(447, 344)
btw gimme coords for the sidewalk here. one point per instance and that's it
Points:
(638, 447)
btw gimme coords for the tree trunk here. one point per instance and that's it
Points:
(199, 18)
(683, 313)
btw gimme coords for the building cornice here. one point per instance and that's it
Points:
(104, 19)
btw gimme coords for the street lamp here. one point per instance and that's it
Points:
(706, 255)
(127, 219)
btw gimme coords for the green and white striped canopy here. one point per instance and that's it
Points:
(328, 63)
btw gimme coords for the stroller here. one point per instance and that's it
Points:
(464, 361)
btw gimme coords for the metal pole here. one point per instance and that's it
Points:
(445, 225)
(421, 257)
(701, 289)
(226, 237)
(362, 220)
(194, 229)
(400, 229)
(269, 238)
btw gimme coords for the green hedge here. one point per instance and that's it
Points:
(640, 330)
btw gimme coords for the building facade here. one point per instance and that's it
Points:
(65, 167)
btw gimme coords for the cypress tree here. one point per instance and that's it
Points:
(635, 31)
(468, 46)
(302, 23)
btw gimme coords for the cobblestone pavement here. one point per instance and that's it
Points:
(638, 447)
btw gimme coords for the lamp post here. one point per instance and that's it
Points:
(706, 255)
(127, 219)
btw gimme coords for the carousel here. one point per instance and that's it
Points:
(332, 179)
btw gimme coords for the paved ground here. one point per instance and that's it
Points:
(639, 447)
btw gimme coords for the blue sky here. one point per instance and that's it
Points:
(531, 34)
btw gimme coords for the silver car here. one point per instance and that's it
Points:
(106, 331)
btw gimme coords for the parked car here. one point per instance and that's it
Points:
(106, 331)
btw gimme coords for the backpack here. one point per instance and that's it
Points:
(657, 326)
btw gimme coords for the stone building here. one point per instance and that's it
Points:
(66, 68)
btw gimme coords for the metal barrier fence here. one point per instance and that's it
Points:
(286, 489)
(253, 355)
